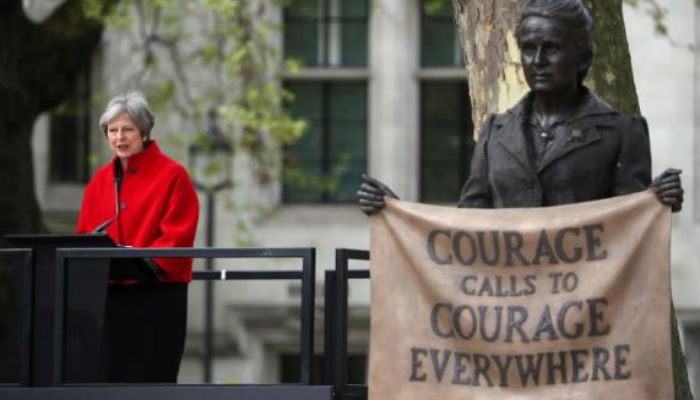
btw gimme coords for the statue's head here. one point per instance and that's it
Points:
(567, 27)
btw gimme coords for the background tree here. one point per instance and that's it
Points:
(39, 66)
(496, 82)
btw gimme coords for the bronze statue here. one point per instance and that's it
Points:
(561, 143)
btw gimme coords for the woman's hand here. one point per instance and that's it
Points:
(668, 188)
(371, 195)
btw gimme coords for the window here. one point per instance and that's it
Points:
(69, 136)
(331, 155)
(326, 33)
(439, 43)
(446, 139)
(446, 126)
(326, 163)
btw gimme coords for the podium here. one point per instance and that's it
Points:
(85, 295)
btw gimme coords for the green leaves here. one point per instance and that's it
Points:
(658, 14)
(93, 9)
(226, 9)
(437, 7)
(293, 65)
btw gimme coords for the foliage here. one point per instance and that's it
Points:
(203, 55)
(329, 183)
(433, 7)
(658, 15)
(655, 12)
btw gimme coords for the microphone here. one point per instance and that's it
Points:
(101, 227)
(118, 173)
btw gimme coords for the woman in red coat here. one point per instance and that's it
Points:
(142, 198)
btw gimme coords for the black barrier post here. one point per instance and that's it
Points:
(340, 333)
(26, 278)
(328, 325)
(218, 147)
(59, 318)
(340, 341)
(26, 309)
(308, 285)
(209, 294)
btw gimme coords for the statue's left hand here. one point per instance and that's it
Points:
(668, 188)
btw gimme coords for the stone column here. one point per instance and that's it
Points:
(696, 107)
(394, 112)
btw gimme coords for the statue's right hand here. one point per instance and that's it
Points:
(371, 195)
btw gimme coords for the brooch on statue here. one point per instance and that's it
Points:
(576, 135)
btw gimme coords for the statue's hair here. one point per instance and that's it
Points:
(136, 106)
(573, 15)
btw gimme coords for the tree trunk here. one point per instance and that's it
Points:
(39, 65)
(20, 211)
(611, 75)
(496, 81)
(494, 73)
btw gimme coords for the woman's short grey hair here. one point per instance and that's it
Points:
(135, 105)
(572, 14)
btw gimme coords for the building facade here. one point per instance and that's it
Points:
(384, 90)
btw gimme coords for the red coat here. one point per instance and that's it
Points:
(158, 207)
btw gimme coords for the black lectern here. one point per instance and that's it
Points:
(86, 289)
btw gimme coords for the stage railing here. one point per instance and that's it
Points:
(334, 384)
(306, 275)
(336, 323)
(305, 389)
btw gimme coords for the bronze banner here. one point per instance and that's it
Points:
(566, 302)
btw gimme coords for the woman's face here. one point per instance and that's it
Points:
(123, 136)
(549, 59)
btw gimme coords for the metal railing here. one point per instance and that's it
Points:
(212, 274)
(334, 385)
(304, 390)
(336, 323)
(306, 275)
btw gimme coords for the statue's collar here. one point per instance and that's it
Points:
(590, 105)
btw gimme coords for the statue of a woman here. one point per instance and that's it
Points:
(561, 143)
